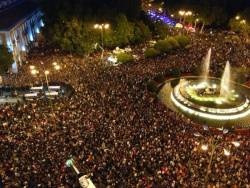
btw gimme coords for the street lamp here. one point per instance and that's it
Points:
(46, 73)
(243, 21)
(181, 13)
(189, 13)
(237, 17)
(34, 72)
(32, 67)
(102, 27)
(57, 67)
(195, 22)
(213, 145)
(184, 14)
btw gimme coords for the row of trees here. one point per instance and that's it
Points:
(213, 13)
(168, 45)
(76, 35)
(70, 23)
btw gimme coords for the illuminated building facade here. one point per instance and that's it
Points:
(20, 24)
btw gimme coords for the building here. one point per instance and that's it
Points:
(20, 24)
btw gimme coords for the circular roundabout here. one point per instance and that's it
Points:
(209, 101)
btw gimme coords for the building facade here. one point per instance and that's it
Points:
(21, 24)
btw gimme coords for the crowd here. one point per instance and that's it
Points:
(115, 131)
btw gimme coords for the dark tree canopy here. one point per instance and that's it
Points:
(70, 23)
(6, 59)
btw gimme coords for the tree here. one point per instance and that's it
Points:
(70, 23)
(123, 31)
(6, 59)
(240, 23)
(142, 32)
(74, 35)
(211, 16)
(162, 30)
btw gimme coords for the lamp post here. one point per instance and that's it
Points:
(34, 72)
(243, 21)
(181, 13)
(237, 17)
(212, 146)
(46, 73)
(188, 13)
(195, 22)
(102, 28)
(184, 14)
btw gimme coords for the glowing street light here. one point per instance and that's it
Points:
(212, 146)
(102, 27)
(34, 72)
(106, 26)
(195, 22)
(243, 21)
(32, 67)
(57, 67)
(96, 26)
(46, 72)
(188, 13)
(237, 17)
(184, 14)
(181, 12)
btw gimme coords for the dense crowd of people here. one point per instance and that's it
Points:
(112, 127)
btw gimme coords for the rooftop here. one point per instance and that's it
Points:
(11, 16)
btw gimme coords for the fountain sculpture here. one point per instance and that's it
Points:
(209, 97)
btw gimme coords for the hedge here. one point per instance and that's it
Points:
(183, 40)
(151, 52)
(175, 44)
(163, 46)
(125, 58)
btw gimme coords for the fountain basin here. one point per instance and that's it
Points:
(199, 101)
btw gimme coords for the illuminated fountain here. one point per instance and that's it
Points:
(208, 97)
(206, 65)
(225, 82)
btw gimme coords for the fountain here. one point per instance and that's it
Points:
(225, 82)
(206, 65)
(209, 97)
